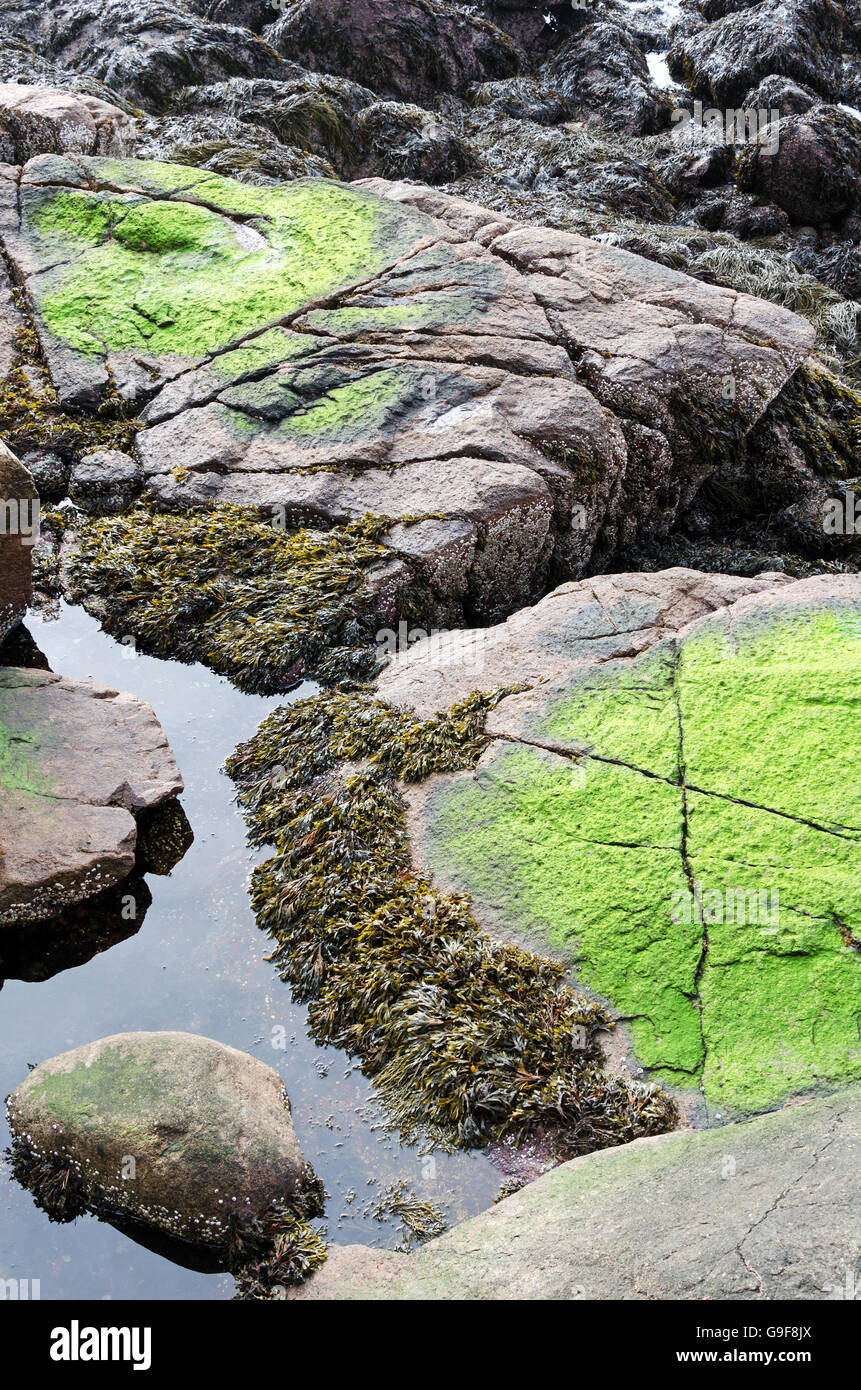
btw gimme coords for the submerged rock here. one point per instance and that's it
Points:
(175, 1130)
(670, 809)
(79, 763)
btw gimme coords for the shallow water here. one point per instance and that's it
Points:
(197, 964)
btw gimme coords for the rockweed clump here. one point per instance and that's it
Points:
(260, 605)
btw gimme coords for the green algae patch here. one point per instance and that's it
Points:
(254, 602)
(587, 857)
(690, 850)
(19, 740)
(630, 715)
(31, 415)
(17, 772)
(368, 403)
(468, 1040)
(183, 264)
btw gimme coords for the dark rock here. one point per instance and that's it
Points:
(605, 76)
(405, 142)
(538, 27)
(409, 49)
(815, 174)
(105, 481)
(523, 97)
(687, 172)
(311, 112)
(781, 94)
(234, 148)
(746, 218)
(800, 39)
(146, 51)
(49, 472)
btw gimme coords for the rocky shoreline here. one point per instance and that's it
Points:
(497, 368)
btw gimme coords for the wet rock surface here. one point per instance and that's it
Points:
(80, 763)
(643, 1222)
(19, 516)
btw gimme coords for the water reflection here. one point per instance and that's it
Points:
(195, 964)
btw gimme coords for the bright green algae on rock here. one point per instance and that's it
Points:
(726, 933)
(182, 263)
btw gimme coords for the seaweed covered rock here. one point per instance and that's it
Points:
(537, 26)
(670, 809)
(174, 1130)
(225, 145)
(19, 531)
(47, 120)
(801, 39)
(603, 73)
(814, 174)
(425, 361)
(525, 98)
(467, 1040)
(408, 49)
(145, 53)
(402, 141)
(79, 763)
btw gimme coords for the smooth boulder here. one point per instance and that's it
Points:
(175, 1130)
